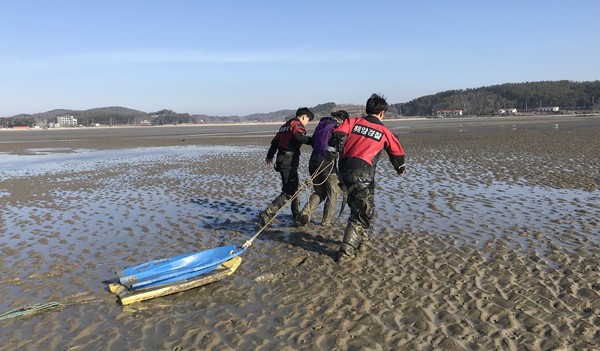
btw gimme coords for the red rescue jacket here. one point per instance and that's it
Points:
(366, 137)
(290, 137)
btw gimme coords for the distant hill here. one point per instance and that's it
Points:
(525, 97)
(276, 116)
(116, 115)
(483, 101)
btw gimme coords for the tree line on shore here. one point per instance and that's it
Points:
(524, 97)
(484, 101)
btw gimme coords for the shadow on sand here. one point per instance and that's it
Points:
(320, 240)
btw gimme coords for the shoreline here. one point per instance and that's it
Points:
(408, 118)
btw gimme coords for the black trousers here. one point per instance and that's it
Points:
(361, 200)
(287, 166)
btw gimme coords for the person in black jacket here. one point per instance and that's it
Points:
(362, 141)
(286, 144)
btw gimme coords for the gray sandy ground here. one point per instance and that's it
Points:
(490, 241)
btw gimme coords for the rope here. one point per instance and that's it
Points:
(29, 310)
(328, 174)
(41, 307)
(324, 181)
(292, 198)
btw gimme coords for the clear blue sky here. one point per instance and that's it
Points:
(240, 57)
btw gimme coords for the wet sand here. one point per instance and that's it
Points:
(490, 241)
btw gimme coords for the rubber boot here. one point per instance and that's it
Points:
(296, 210)
(329, 211)
(332, 191)
(311, 205)
(351, 242)
(266, 215)
(364, 242)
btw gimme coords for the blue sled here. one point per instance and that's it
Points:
(170, 270)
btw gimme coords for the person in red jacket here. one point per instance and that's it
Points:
(361, 141)
(286, 144)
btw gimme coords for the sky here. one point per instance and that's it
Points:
(238, 57)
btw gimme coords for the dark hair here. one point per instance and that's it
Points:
(376, 104)
(341, 115)
(305, 111)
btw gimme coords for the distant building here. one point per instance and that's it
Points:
(506, 111)
(448, 113)
(66, 121)
(548, 109)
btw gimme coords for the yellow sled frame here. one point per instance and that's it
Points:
(127, 296)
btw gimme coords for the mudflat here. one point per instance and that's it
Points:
(490, 241)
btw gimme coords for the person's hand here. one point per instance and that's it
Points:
(331, 156)
(401, 173)
(268, 160)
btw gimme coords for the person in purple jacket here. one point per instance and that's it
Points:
(323, 170)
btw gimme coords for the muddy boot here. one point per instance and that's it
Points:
(343, 258)
(303, 219)
(268, 214)
(328, 213)
(311, 205)
(265, 216)
(364, 242)
(330, 203)
(350, 243)
(296, 211)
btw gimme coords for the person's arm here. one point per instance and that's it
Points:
(395, 153)
(303, 138)
(336, 142)
(339, 134)
(398, 163)
(299, 134)
(272, 150)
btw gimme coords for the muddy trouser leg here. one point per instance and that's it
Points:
(366, 216)
(362, 206)
(273, 207)
(291, 188)
(284, 167)
(332, 190)
(289, 179)
(296, 207)
(313, 201)
(315, 198)
(352, 238)
(279, 202)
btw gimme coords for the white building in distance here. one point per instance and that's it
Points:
(506, 111)
(448, 113)
(66, 121)
(548, 109)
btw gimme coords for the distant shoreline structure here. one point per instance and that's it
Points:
(120, 126)
(180, 125)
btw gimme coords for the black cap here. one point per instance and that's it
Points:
(340, 115)
(305, 111)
